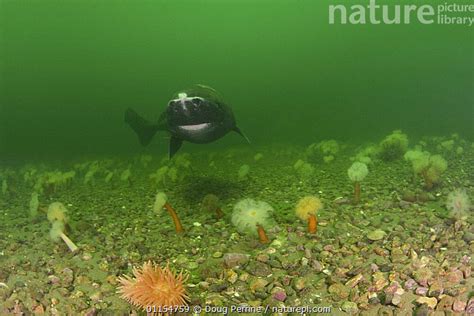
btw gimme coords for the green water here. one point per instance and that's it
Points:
(327, 208)
(70, 68)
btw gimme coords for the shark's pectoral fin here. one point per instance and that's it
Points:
(237, 130)
(175, 145)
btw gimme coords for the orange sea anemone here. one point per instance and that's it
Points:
(154, 287)
(307, 209)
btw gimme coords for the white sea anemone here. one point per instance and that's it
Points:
(248, 213)
(160, 201)
(358, 171)
(57, 212)
(458, 203)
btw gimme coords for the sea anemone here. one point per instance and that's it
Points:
(432, 175)
(303, 169)
(34, 204)
(161, 201)
(250, 216)
(243, 172)
(210, 203)
(366, 154)
(154, 287)
(126, 175)
(393, 146)
(258, 156)
(325, 150)
(57, 232)
(458, 203)
(357, 173)
(57, 212)
(55, 179)
(430, 167)
(307, 209)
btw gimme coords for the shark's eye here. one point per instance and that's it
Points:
(197, 101)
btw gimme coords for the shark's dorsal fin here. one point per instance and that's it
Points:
(175, 145)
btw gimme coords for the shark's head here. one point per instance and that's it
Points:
(188, 109)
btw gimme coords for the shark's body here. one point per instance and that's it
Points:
(197, 115)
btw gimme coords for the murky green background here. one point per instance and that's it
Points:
(70, 68)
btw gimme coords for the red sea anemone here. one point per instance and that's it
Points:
(154, 288)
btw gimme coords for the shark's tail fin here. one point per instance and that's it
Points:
(144, 129)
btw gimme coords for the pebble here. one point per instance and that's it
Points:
(397, 299)
(270, 250)
(217, 254)
(431, 302)
(96, 296)
(255, 303)
(445, 303)
(328, 247)
(244, 277)
(350, 307)
(470, 306)
(385, 268)
(279, 294)
(455, 277)
(52, 279)
(397, 255)
(276, 243)
(459, 306)
(410, 284)
(325, 254)
(67, 276)
(380, 251)
(339, 290)
(192, 265)
(217, 287)
(393, 293)
(111, 279)
(436, 289)
(91, 312)
(379, 281)
(232, 276)
(385, 311)
(421, 290)
(299, 284)
(258, 284)
(316, 265)
(235, 259)
(466, 270)
(422, 276)
(274, 263)
(355, 280)
(357, 270)
(259, 269)
(374, 267)
(373, 298)
(423, 310)
(376, 235)
(38, 310)
(262, 257)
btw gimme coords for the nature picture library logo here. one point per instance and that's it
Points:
(412, 11)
